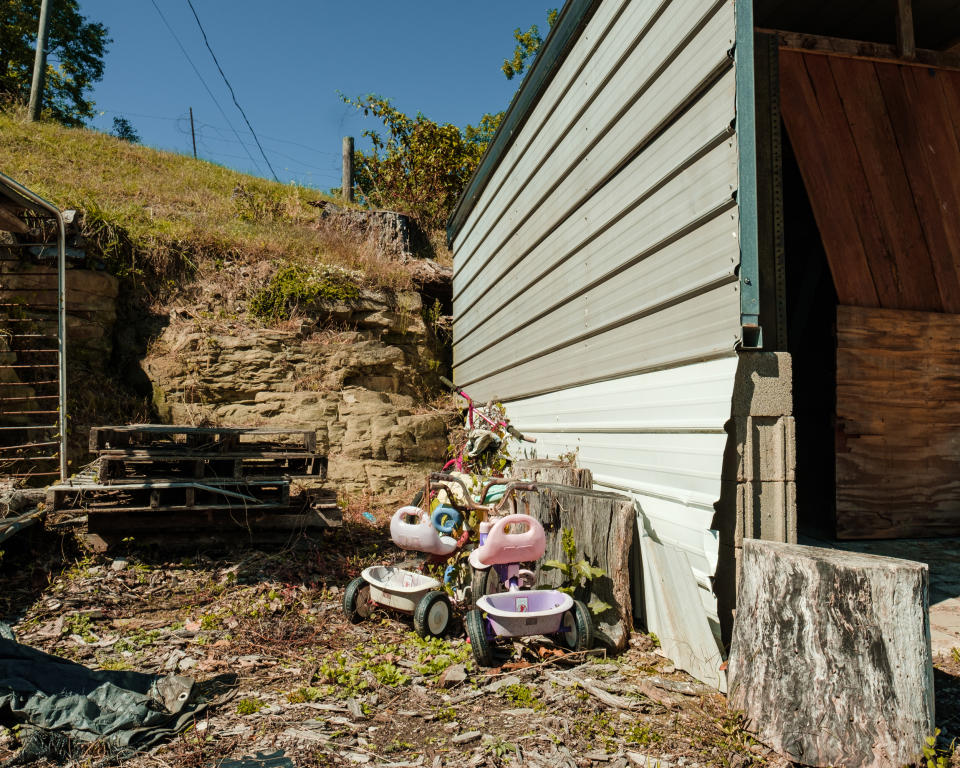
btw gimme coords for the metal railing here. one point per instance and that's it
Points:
(33, 428)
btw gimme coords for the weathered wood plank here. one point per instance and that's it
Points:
(878, 146)
(833, 206)
(603, 524)
(830, 660)
(931, 155)
(552, 471)
(886, 178)
(898, 423)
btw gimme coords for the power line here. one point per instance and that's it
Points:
(206, 87)
(230, 87)
(274, 151)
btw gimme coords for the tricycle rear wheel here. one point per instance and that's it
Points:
(357, 605)
(432, 615)
(579, 636)
(479, 642)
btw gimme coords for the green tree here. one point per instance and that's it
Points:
(417, 165)
(75, 50)
(525, 50)
(123, 129)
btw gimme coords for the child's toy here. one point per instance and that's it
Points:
(402, 590)
(412, 528)
(518, 612)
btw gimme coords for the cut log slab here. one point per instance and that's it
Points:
(552, 471)
(603, 524)
(830, 660)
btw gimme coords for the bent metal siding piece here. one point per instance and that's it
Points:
(658, 436)
(595, 274)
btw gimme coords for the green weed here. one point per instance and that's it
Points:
(249, 706)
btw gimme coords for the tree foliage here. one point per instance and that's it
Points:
(527, 44)
(75, 50)
(123, 129)
(417, 166)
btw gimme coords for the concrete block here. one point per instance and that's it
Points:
(761, 510)
(763, 384)
(766, 447)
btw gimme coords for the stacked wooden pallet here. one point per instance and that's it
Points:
(206, 482)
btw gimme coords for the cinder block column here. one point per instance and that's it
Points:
(758, 489)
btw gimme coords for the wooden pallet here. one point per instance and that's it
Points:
(196, 482)
(211, 526)
(200, 439)
(168, 495)
(115, 465)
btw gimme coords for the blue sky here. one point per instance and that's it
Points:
(287, 59)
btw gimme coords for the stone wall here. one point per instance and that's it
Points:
(359, 387)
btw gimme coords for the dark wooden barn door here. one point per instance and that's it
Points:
(878, 147)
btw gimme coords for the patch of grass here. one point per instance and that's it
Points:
(642, 735)
(249, 706)
(521, 695)
(81, 625)
(305, 695)
(137, 640)
(294, 287)
(434, 655)
(156, 216)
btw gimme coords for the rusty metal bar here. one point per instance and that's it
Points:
(28, 383)
(28, 413)
(35, 397)
(29, 426)
(27, 445)
(45, 365)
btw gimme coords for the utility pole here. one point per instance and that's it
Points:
(39, 63)
(193, 135)
(346, 188)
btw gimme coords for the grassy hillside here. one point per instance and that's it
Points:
(158, 213)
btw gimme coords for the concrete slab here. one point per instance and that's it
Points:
(943, 558)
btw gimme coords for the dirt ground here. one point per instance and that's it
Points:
(294, 683)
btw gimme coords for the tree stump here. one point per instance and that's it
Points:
(603, 525)
(830, 660)
(552, 471)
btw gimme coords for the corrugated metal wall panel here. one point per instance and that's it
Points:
(687, 43)
(646, 205)
(658, 436)
(596, 289)
(577, 78)
(699, 328)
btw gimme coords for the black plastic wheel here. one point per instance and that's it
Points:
(417, 499)
(485, 581)
(579, 636)
(356, 600)
(479, 642)
(432, 615)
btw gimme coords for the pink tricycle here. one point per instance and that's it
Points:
(437, 535)
(518, 612)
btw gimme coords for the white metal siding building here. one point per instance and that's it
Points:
(596, 288)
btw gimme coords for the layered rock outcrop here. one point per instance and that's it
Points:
(359, 386)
